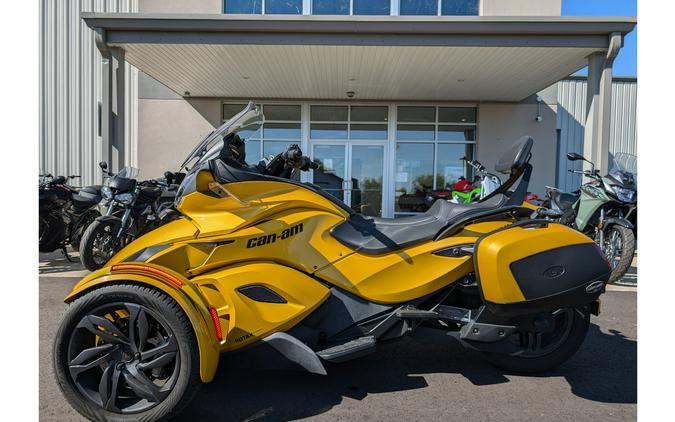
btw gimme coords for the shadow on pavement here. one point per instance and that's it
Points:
(603, 370)
(56, 262)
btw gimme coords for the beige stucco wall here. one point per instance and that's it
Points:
(521, 7)
(169, 129)
(180, 6)
(500, 124)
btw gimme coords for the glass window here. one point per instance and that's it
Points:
(368, 131)
(282, 112)
(229, 110)
(283, 7)
(456, 115)
(281, 130)
(417, 114)
(275, 147)
(369, 114)
(328, 131)
(329, 113)
(371, 7)
(459, 7)
(415, 132)
(449, 165)
(243, 6)
(252, 151)
(330, 7)
(456, 133)
(414, 168)
(418, 7)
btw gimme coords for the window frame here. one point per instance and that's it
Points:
(394, 9)
(348, 122)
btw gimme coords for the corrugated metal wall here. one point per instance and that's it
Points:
(70, 90)
(570, 124)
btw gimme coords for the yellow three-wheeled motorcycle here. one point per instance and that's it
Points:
(286, 273)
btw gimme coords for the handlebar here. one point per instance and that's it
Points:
(595, 174)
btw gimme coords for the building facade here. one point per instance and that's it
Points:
(386, 94)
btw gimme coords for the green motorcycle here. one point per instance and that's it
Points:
(601, 209)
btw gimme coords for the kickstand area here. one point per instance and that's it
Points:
(65, 253)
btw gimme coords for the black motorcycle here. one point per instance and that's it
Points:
(65, 212)
(133, 209)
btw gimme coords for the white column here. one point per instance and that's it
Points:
(118, 111)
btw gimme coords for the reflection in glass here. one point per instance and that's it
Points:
(272, 148)
(283, 7)
(330, 7)
(328, 131)
(419, 7)
(329, 113)
(413, 176)
(367, 172)
(449, 166)
(282, 112)
(456, 133)
(331, 172)
(415, 132)
(366, 131)
(456, 115)
(281, 130)
(243, 7)
(459, 7)
(417, 114)
(371, 7)
(253, 152)
(369, 114)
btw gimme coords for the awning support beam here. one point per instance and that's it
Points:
(113, 80)
(599, 104)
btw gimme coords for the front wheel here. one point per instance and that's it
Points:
(98, 245)
(619, 248)
(126, 353)
(543, 351)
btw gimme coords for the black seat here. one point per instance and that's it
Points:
(372, 235)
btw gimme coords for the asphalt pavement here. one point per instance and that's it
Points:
(425, 377)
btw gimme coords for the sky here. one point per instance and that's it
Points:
(626, 63)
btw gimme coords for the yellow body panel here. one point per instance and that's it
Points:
(407, 274)
(496, 252)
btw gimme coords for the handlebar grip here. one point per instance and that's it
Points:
(313, 165)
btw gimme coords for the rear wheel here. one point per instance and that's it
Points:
(619, 248)
(126, 353)
(543, 351)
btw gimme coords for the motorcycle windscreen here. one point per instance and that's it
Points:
(538, 266)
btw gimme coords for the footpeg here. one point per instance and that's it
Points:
(353, 349)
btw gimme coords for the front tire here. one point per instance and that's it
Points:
(97, 244)
(552, 349)
(619, 248)
(126, 353)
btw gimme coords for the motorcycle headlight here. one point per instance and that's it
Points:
(106, 192)
(625, 195)
(125, 198)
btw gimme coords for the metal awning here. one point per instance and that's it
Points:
(376, 57)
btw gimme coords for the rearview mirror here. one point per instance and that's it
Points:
(103, 165)
(573, 156)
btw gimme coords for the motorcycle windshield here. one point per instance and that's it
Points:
(623, 164)
(245, 123)
(128, 172)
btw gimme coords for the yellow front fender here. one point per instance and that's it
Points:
(187, 296)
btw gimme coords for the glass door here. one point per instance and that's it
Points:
(353, 173)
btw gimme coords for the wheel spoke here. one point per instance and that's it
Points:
(110, 333)
(76, 370)
(142, 386)
(166, 347)
(158, 362)
(137, 319)
(104, 389)
(88, 354)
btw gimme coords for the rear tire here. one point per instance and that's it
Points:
(96, 245)
(528, 362)
(124, 378)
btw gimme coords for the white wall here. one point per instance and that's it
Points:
(500, 124)
(521, 7)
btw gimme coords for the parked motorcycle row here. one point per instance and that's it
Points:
(99, 220)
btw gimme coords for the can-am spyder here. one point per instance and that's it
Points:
(284, 272)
